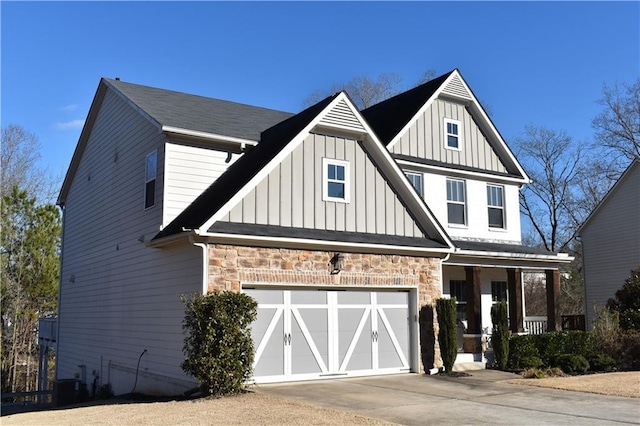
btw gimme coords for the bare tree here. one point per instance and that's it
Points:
(365, 91)
(19, 165)
(551, 160)
(618, 125)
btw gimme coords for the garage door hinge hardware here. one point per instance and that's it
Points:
(287, 338)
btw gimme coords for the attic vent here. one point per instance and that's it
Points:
(456, 88)
(341, 116)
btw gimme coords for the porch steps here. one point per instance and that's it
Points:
(470, 362)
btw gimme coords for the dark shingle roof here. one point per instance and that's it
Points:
(272, 141)
(201, 114)
(388, 117)
(321, 234)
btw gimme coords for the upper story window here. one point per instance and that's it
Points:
(452, 133)
(495, 203)
(456, 204)
(335, 180)
(498, 291)
(416, 181)
(151, 169)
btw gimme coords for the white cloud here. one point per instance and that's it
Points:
(70, 107)
(73, 124)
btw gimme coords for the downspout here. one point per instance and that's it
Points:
(205, 261)
(64, 217)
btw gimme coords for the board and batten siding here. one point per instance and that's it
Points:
(611, 243)
(119, 297)
(425, 139)
(291, 195)
(189, 170)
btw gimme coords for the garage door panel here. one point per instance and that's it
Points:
(309, 336)
(390, 351)
(266, 296)
(393, 298)
(354, 297)
(308, 297)
(269, 345)
(354, 342)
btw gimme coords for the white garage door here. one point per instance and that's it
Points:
(311, 334)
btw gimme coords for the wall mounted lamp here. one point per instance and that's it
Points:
(336, 263)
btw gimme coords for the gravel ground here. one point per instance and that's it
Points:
(616, 384)
(249, 408)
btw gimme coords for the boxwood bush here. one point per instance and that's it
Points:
(218, 347)
(523, 352)
(500, 333)
(572, 363)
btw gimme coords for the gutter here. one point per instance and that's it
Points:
(177, 131)
(205, 260)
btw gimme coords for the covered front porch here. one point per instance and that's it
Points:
(479, 279)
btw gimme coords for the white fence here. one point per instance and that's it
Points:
(535, 325)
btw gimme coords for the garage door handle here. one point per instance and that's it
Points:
(287, 338)
(374, 336)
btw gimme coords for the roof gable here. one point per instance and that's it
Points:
(632, 170)
(394, 117)
(279, 142)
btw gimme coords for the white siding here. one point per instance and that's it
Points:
(611, 242)
(291, 195)
(189, 171)
(425, 139)
(118, 296)
(477, 213)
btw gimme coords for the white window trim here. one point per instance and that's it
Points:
(445, 138)
(503, 228)
(148, 179)
(421, 193)
(466, 218)
(325, 180)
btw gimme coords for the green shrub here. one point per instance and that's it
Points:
(500, 334)
(523, 352)
(218, 347)
(627, 302)
(447, 335)
(601, 362)
(557, 343)
(572, 363)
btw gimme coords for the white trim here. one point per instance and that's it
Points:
(206, 135)
(320, 244)
(326, 162)
(445, 134)
(448, 171)
(559, 257)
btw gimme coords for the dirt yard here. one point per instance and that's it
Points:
(262, 409)
(617, 384)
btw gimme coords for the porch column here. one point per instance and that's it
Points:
(514, 287)
(554, 321)
(473, 291)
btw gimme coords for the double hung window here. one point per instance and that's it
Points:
(416, 182)
(495, 203)
(335, 180)
(456, 204)
(452, 133)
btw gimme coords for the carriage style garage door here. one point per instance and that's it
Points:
(312, 333)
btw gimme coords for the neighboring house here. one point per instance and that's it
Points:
(611, 241)
(344, 225)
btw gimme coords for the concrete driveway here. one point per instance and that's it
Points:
(414, 399)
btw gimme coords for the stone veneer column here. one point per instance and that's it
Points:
(514, 286)
(554, 321)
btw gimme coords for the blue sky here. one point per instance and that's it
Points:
(532, 62)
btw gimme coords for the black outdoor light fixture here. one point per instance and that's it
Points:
(337, 263)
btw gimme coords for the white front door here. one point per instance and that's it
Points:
(310, 334)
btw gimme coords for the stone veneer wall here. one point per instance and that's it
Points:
(229, 266)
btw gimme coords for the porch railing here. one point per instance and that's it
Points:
(535, 325)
